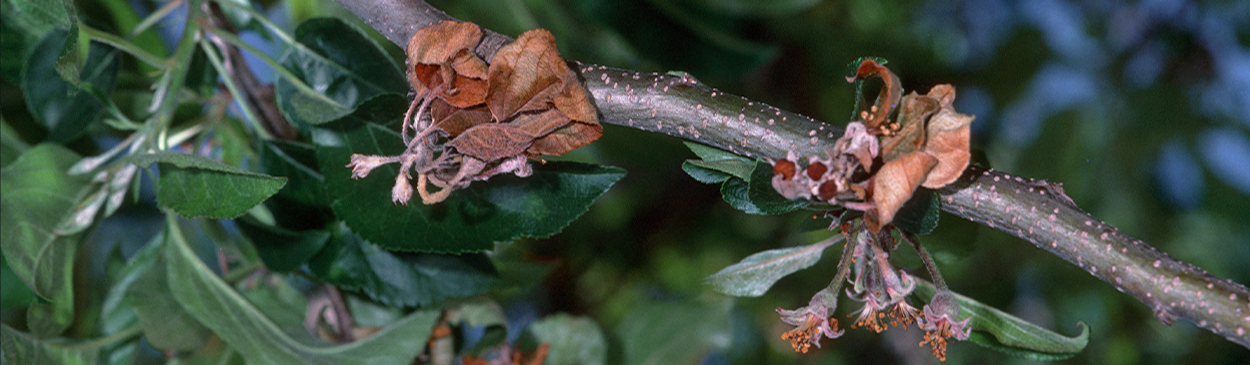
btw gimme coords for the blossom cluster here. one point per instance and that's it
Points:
(883, 289)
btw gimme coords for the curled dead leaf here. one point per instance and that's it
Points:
(454, 121)
(441, 61)
(914, 112)
(887, 99)
(491, 141)
(949, 146)
(894, 184)
(566, 139)
(529, 75)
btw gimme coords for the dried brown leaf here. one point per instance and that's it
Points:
(441, 59)
(913, 114)
(566, 139)
(894, 184)
(524, 75)
(538, 124)
(529, 75)
(454, 121)
(949, 146)
(491, 141)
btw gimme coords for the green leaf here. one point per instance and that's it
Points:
(260, 340)
(340, 61)
(756, 195)
(708, 153)
(703, 174)
(116, 312)
(919, 214)
(197, 186)
(1008, 334)
(674, 332)
(752, 276)
(54, 102)
(35, 197)
(765, 197)
(283, 250)
(13, 292)
(45, 14)
(24, 348)
(11, 144)
(399, 278)
(470, 220)
(166, 325)
(479, 311)
(298, 163)
(736, 168)
(735, 192)
(571, 340)
(517, 272)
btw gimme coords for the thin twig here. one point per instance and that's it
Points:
(260, 97)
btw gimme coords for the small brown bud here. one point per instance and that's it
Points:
(816, 170)
(827, 190)
(785, 168)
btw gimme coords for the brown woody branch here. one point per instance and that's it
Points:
(1036, 211)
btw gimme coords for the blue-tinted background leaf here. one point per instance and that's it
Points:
(571, 340)
(657, 333)
(281, 249)
(338, 60)
(57, 104)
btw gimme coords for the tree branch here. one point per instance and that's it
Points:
(1037, 211)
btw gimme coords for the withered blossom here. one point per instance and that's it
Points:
(812, 321)
(940, 324)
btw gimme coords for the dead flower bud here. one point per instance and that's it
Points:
(940, 324)
(361, 165)
(813, 322)
(402, 191)
(815, 170)
(785, 168)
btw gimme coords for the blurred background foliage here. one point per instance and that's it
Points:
(1141, 109)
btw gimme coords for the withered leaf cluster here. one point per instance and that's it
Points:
(877, 165)
(471, 120)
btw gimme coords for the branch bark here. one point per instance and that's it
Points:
(1037, 211)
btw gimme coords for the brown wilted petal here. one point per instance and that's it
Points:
(890, 93)
(453, 120)
(440, 42)
(440, 57)
(491, 141)
(894, 184)
(524, 75)
(539, 124)
(574, 100)
(913, 114)
(530, 75)
(949, 146)
(566, 139)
